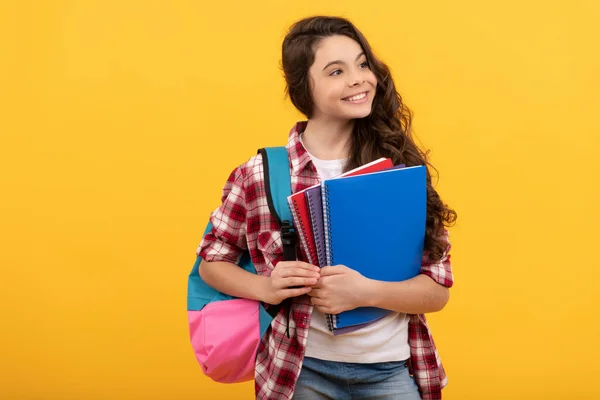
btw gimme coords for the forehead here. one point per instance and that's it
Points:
(337, 47)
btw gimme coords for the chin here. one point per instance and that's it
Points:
(358, 114)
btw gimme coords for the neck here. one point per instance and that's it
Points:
(328, 140)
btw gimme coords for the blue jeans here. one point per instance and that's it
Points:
(320, 379)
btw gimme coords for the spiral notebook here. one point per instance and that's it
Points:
(375, 224)
(315, 211)
(315, 205)
(315, 208)
(300, 213)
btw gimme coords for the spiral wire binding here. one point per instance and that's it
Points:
(318, 249)
(332, 320)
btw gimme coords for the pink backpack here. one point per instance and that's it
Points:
(225, 331)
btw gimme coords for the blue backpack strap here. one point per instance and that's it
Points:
(278, 187)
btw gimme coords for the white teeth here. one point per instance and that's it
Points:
(357, 97)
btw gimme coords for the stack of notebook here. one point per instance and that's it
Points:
(370, 219)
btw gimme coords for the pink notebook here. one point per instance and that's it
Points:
(300, 212)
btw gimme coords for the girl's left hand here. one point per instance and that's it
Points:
(339, 289)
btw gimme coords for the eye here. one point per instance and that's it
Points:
(335, 72)
(364, 64)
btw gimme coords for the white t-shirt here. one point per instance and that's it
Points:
(382, 341)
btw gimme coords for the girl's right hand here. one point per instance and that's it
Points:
(290, 279)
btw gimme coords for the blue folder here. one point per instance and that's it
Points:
(375, 224)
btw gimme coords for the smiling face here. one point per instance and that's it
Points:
(342, 84)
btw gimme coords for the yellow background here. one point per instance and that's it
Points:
(121, 120)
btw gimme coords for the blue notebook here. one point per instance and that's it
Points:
(375, 224)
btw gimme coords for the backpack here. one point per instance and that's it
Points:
(225, 331)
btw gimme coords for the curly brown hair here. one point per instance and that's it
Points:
(386, 132)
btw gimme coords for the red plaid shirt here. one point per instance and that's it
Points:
(243, 221)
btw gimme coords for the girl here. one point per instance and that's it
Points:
(354, 116)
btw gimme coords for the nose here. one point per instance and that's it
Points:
(356, 82)
(356, 79)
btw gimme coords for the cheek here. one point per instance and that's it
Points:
(317, 97)
(327, 96)
(334, 95)
(372, 79)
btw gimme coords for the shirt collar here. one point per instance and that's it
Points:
(299, 157)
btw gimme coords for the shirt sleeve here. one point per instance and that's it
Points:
(226, 241)
(440, 271)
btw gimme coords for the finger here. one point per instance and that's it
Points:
(321, 306)
(323, 310)
(326, 310)
(305, 265)
(337, 270)
(299, 264)
(317, 302)
(299, 272)
(314, 292)
(297, 281)
(287, 293)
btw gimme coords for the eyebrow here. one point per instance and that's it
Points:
(341, 62)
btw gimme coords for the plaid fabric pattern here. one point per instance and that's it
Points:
(243, 221)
